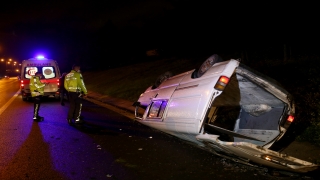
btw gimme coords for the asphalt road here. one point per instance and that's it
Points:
(108, 146)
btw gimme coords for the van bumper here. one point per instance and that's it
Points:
(27, 95)
(52, 94)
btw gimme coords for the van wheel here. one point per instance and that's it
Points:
(161, 78)
(207, 64)
(24, 98)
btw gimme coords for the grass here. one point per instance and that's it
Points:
(130, 81)
(299, 76)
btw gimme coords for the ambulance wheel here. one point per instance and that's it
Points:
(206, 65)
(26, 98)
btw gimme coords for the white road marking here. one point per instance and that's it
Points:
(4, 107)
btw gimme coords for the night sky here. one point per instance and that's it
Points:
(96, 32)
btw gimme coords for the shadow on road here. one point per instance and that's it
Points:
(32, 159)
(91, 128)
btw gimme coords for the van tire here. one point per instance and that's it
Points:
(207, 64)
(24, 98)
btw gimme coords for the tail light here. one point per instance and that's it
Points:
(222, 83)
(58, 82)
(22, 85)
(288, 122)
(290, 118)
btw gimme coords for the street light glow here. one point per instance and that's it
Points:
(8, 67)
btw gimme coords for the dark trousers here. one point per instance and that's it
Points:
(63, 93)
(75, 105)
(36, 105)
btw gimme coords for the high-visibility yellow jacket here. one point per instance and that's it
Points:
(73, 82)
(36, 87)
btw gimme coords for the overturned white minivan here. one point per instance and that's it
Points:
(226, 108)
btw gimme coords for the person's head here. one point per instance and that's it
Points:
(39, 74)
(76, 67)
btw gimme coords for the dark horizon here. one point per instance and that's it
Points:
(113, 32)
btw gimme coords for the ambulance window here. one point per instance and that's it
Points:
(157, 109)
(48, 72)
(30, 71)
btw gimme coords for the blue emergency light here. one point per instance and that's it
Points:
(40, 57)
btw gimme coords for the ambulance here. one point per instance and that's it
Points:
(51, 74)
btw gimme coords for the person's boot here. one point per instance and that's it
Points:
(35, 112)
(78, 121)
(36, 116)
(69, 121)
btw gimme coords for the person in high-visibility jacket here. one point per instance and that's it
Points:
(76, 88)
(37, 91)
